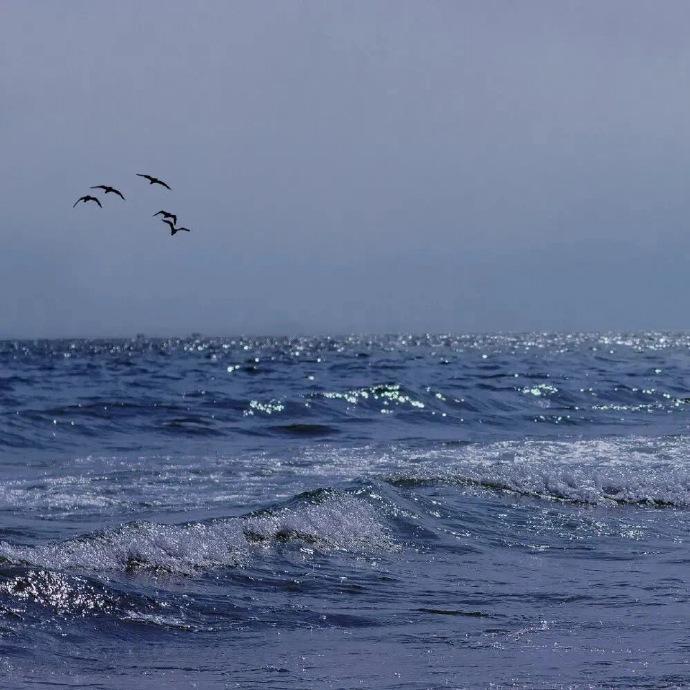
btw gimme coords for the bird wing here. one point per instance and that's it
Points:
(159, 213)
(168, 222)
(93, 198)
(185, 229)
(100, 186)
(174, 217)
(119, 193)
(81, 198)
(148, 177)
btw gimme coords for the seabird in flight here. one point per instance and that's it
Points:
(154, 180)
(173, 229)
(108, 190)
(166, 214)
(86, 198)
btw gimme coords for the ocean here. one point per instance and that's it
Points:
(396, 511)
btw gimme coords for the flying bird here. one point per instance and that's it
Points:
(109, 190)
(154, 180)
(173, 229)
(85, 198)
(166, 214)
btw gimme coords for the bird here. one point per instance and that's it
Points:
(85, 198)
(173, 229)
(154, 180)
(109, 190)
(166, 214)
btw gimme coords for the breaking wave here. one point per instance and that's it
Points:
(337, 522)
(639, 471)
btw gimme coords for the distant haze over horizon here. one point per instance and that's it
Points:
(369, 167)
(408, 336)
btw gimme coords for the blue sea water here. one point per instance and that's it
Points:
(339, 512)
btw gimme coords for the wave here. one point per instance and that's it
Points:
(635, 471)
(640, 471)
(108, 394)
(323, 522)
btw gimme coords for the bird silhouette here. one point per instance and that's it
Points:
(173, 229)
(166, 214)
(109, 190)
(85, 198)
(154, 180)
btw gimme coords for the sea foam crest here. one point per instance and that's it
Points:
(341, 522)
(641, 471)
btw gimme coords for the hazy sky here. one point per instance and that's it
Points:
(345, 166)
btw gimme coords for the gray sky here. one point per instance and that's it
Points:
(345, 166)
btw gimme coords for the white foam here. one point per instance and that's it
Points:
(56, 591)
(339, 523)
(599, 471)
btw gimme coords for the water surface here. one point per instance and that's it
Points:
(398, 511)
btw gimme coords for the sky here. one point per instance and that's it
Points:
(345, 166)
